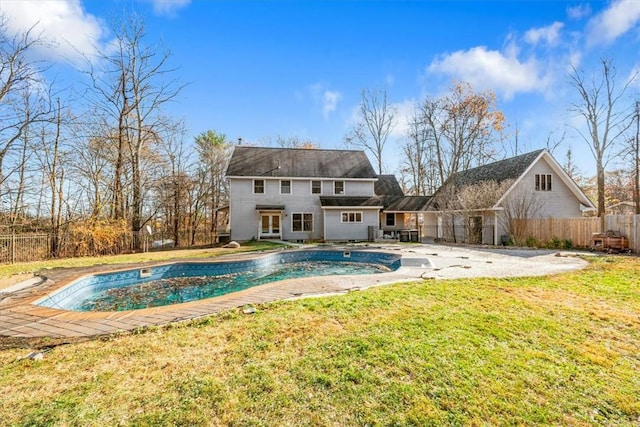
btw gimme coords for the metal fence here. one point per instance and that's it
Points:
(25, 247)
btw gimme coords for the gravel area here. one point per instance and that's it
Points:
(450, 262)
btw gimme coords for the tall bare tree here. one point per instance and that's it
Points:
(632, 153)
(22, 96)
(601, 104)
(461, 128)
(418, 163)
(131, 85)
(376, 121)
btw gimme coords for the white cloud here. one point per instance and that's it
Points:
(330, 102)
(490, 69)
(404, 114)
(549, 34)
(324, 99)
(71, 31)
(613, 22)
(578, 12)
(168, 7)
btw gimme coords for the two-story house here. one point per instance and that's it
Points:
(301, 194)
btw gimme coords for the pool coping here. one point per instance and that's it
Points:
(21, 318)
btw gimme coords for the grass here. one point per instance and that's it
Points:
(559, 350)
(8, 270)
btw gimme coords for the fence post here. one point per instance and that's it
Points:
(13, 246)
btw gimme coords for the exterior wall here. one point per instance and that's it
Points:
(337, 230)
(244, 218)
(560, 202)
(351, 188)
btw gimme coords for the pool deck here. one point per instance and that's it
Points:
(21, 318)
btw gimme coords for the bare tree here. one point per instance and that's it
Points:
(23, 103)
(131, 86)
(518, 205)
(295, 142)
(376, 121)
(606, 118)
(632, 153)
(418, 159)
(461, 126)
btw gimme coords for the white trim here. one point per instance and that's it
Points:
(355, 212)
(352, 207)
(300, 178)
(311, 187)
(566, 179)
(253, 186)
(302, 219)
(344, 187)
(290, 187)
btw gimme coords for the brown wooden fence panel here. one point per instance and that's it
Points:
(581, 230)
(627, 225)
(578, 230)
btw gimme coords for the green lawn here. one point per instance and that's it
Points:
(560, 350)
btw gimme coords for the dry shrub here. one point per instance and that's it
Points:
(99, 237)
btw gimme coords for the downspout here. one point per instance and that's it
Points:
(495, 228)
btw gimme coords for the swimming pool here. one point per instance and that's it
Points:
(191, 281)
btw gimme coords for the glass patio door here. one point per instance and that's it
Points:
(270, 225)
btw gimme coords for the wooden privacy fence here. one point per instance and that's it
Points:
(581, 230)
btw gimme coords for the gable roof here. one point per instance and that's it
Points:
(387, 185)
(513, 168)
(299, 163)
(502, 170)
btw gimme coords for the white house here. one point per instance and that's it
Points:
(534, 182)
(311, 194)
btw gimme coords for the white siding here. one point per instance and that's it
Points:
(560, 202)
(337, 230)
(244, 218)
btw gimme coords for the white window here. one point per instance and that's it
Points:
(351, 216)
(316, 187)
(338, 187)
(543, 182)
(285, 187)
(258, 186)
(302, 222)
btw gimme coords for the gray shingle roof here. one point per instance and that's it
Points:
(298, 162)
(502, 170)
(511, 168)
(387, 185)
(408, 204)
(347, 201)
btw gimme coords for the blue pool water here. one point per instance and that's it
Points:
(191, 281)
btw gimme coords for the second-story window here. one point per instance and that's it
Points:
(316, 187)
(338, 187)
(258, 186)
(543, 182)
(285, 187)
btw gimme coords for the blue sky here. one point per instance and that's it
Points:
(258, 70)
